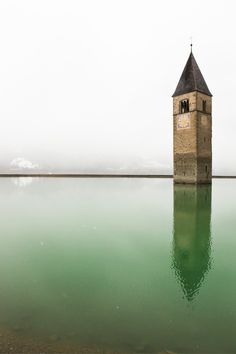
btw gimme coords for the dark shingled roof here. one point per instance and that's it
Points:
(191, 79)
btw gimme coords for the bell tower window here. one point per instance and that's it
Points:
(204, 103)
(184, 106)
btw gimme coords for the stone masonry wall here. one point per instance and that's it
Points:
(204, 140)
(192, 140)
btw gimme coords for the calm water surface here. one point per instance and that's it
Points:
(135, 265)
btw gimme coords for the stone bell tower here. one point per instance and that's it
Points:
(192, 125)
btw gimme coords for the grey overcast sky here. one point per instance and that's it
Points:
(90, 82)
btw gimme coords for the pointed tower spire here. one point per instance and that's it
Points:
(191, 79)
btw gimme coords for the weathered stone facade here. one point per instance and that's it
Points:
(192, 144)
(192, 130)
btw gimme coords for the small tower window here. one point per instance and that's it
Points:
(184, 106)
(204, 104)
(206, 169)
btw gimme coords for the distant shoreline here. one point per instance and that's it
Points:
(93, 175)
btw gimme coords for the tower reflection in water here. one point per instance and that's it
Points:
(192, 236)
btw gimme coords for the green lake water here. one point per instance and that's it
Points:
(131, 264)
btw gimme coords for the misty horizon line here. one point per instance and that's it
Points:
(138, 165)
(95, 174)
